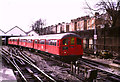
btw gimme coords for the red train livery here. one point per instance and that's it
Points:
(66, 44)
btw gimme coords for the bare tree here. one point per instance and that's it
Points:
(109, 7)
(38, 26)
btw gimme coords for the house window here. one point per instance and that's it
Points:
(89, 27)
(92, 21)
(88, 22)
(92, 26)
(78, 24)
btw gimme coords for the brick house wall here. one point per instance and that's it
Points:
(59, 28)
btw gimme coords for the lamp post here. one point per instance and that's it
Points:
(95, 32)
(95, 38)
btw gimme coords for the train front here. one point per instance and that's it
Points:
(71, 46)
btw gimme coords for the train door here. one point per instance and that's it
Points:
(41, 45)
(65, 45)
(79, 46)
(35, 44)
(72, 46)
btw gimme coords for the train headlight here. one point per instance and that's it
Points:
(65, 52)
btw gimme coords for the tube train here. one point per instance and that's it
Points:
(63, 45)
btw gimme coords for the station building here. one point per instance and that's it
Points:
(14, 32)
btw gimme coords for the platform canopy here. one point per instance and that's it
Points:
(16, 31)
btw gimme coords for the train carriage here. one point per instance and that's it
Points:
(66, 44)
(26, 42)
(10, 41)
(13, 41)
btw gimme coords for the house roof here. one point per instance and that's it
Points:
(32, 33)
(16, 31)
(51, 36)
(2, 32)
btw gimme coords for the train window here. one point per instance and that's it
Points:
(78, 41)
(29, 41)
(35, 41)
(23, 40)
(47, 42)
(65, 42)
(55, 42)
(50, 42)
(58, 43)
(72, 41)
(42, 42)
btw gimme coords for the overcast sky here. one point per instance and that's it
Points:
(23, 13)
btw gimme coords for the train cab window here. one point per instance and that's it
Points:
(65, 42)
(72, 41)
(78, 41)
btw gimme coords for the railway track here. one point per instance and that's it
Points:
(83, 69)
(84, 65)
(25, 67)
(99, 70)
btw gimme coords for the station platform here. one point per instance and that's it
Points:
(7, 75)
(107, 62)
